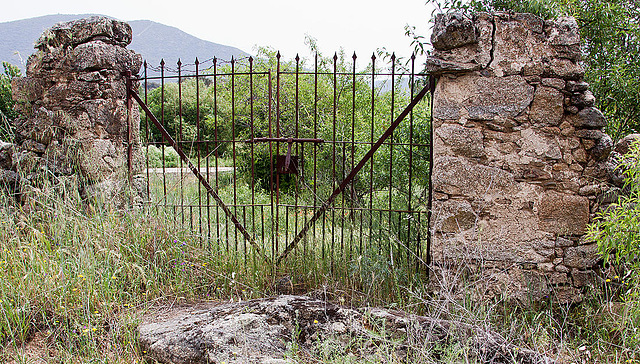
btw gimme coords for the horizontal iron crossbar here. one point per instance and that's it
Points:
(285, 140)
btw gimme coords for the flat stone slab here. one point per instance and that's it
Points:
(264, 331)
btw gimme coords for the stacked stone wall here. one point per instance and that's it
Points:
(520, 156)
(75, 128)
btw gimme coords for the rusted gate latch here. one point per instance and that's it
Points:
(286, 164)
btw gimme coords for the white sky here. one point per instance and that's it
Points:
(355, 25)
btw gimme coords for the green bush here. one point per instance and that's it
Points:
(617, 228)
(7, 114)
(155, 157)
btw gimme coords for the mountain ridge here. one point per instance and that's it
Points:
(155, 41)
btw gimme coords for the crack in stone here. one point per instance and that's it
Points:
(493, 41)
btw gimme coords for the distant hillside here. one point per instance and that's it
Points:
(153, 40)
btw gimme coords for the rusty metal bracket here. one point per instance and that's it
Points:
(197, 173)
(287, 159)
(325, 206)
(284, 163)
(127, 75)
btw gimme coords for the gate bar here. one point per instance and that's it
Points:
(429, 87)
(197, 173)
(285, 140)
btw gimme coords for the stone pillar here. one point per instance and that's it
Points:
(519, 151)
(74, 122)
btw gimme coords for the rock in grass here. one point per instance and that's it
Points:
(266, 330)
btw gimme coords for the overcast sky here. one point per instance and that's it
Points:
(355, 25)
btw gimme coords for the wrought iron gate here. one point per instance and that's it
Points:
(311, 158)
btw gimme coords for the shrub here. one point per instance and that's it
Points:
(617, 228)
(7, 114)
(155, 157)
(617, 232)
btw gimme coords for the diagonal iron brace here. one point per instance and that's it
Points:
(325, 206)
(197, 173)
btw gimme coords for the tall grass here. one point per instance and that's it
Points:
(82, 274)
(77, 274)
(80, 277)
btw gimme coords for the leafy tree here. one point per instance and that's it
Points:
(179, 116)
(610, 31)
(306, 107)
(7, 114)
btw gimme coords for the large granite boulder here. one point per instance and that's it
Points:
(267, 331)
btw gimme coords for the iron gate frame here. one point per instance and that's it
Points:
(132, 95)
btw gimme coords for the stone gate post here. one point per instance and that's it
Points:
(74, 117)
(519, 151)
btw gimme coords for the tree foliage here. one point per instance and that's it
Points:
(7, 114)
(334, 105)
(610, 31)
(617, 229)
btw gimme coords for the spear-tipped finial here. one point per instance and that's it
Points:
(297, 57)
(179, 63)
(162, 62)
(278, 55)
(335, 56)
(197, 62)
(393, 56)
(354, 55)
(250, 59)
